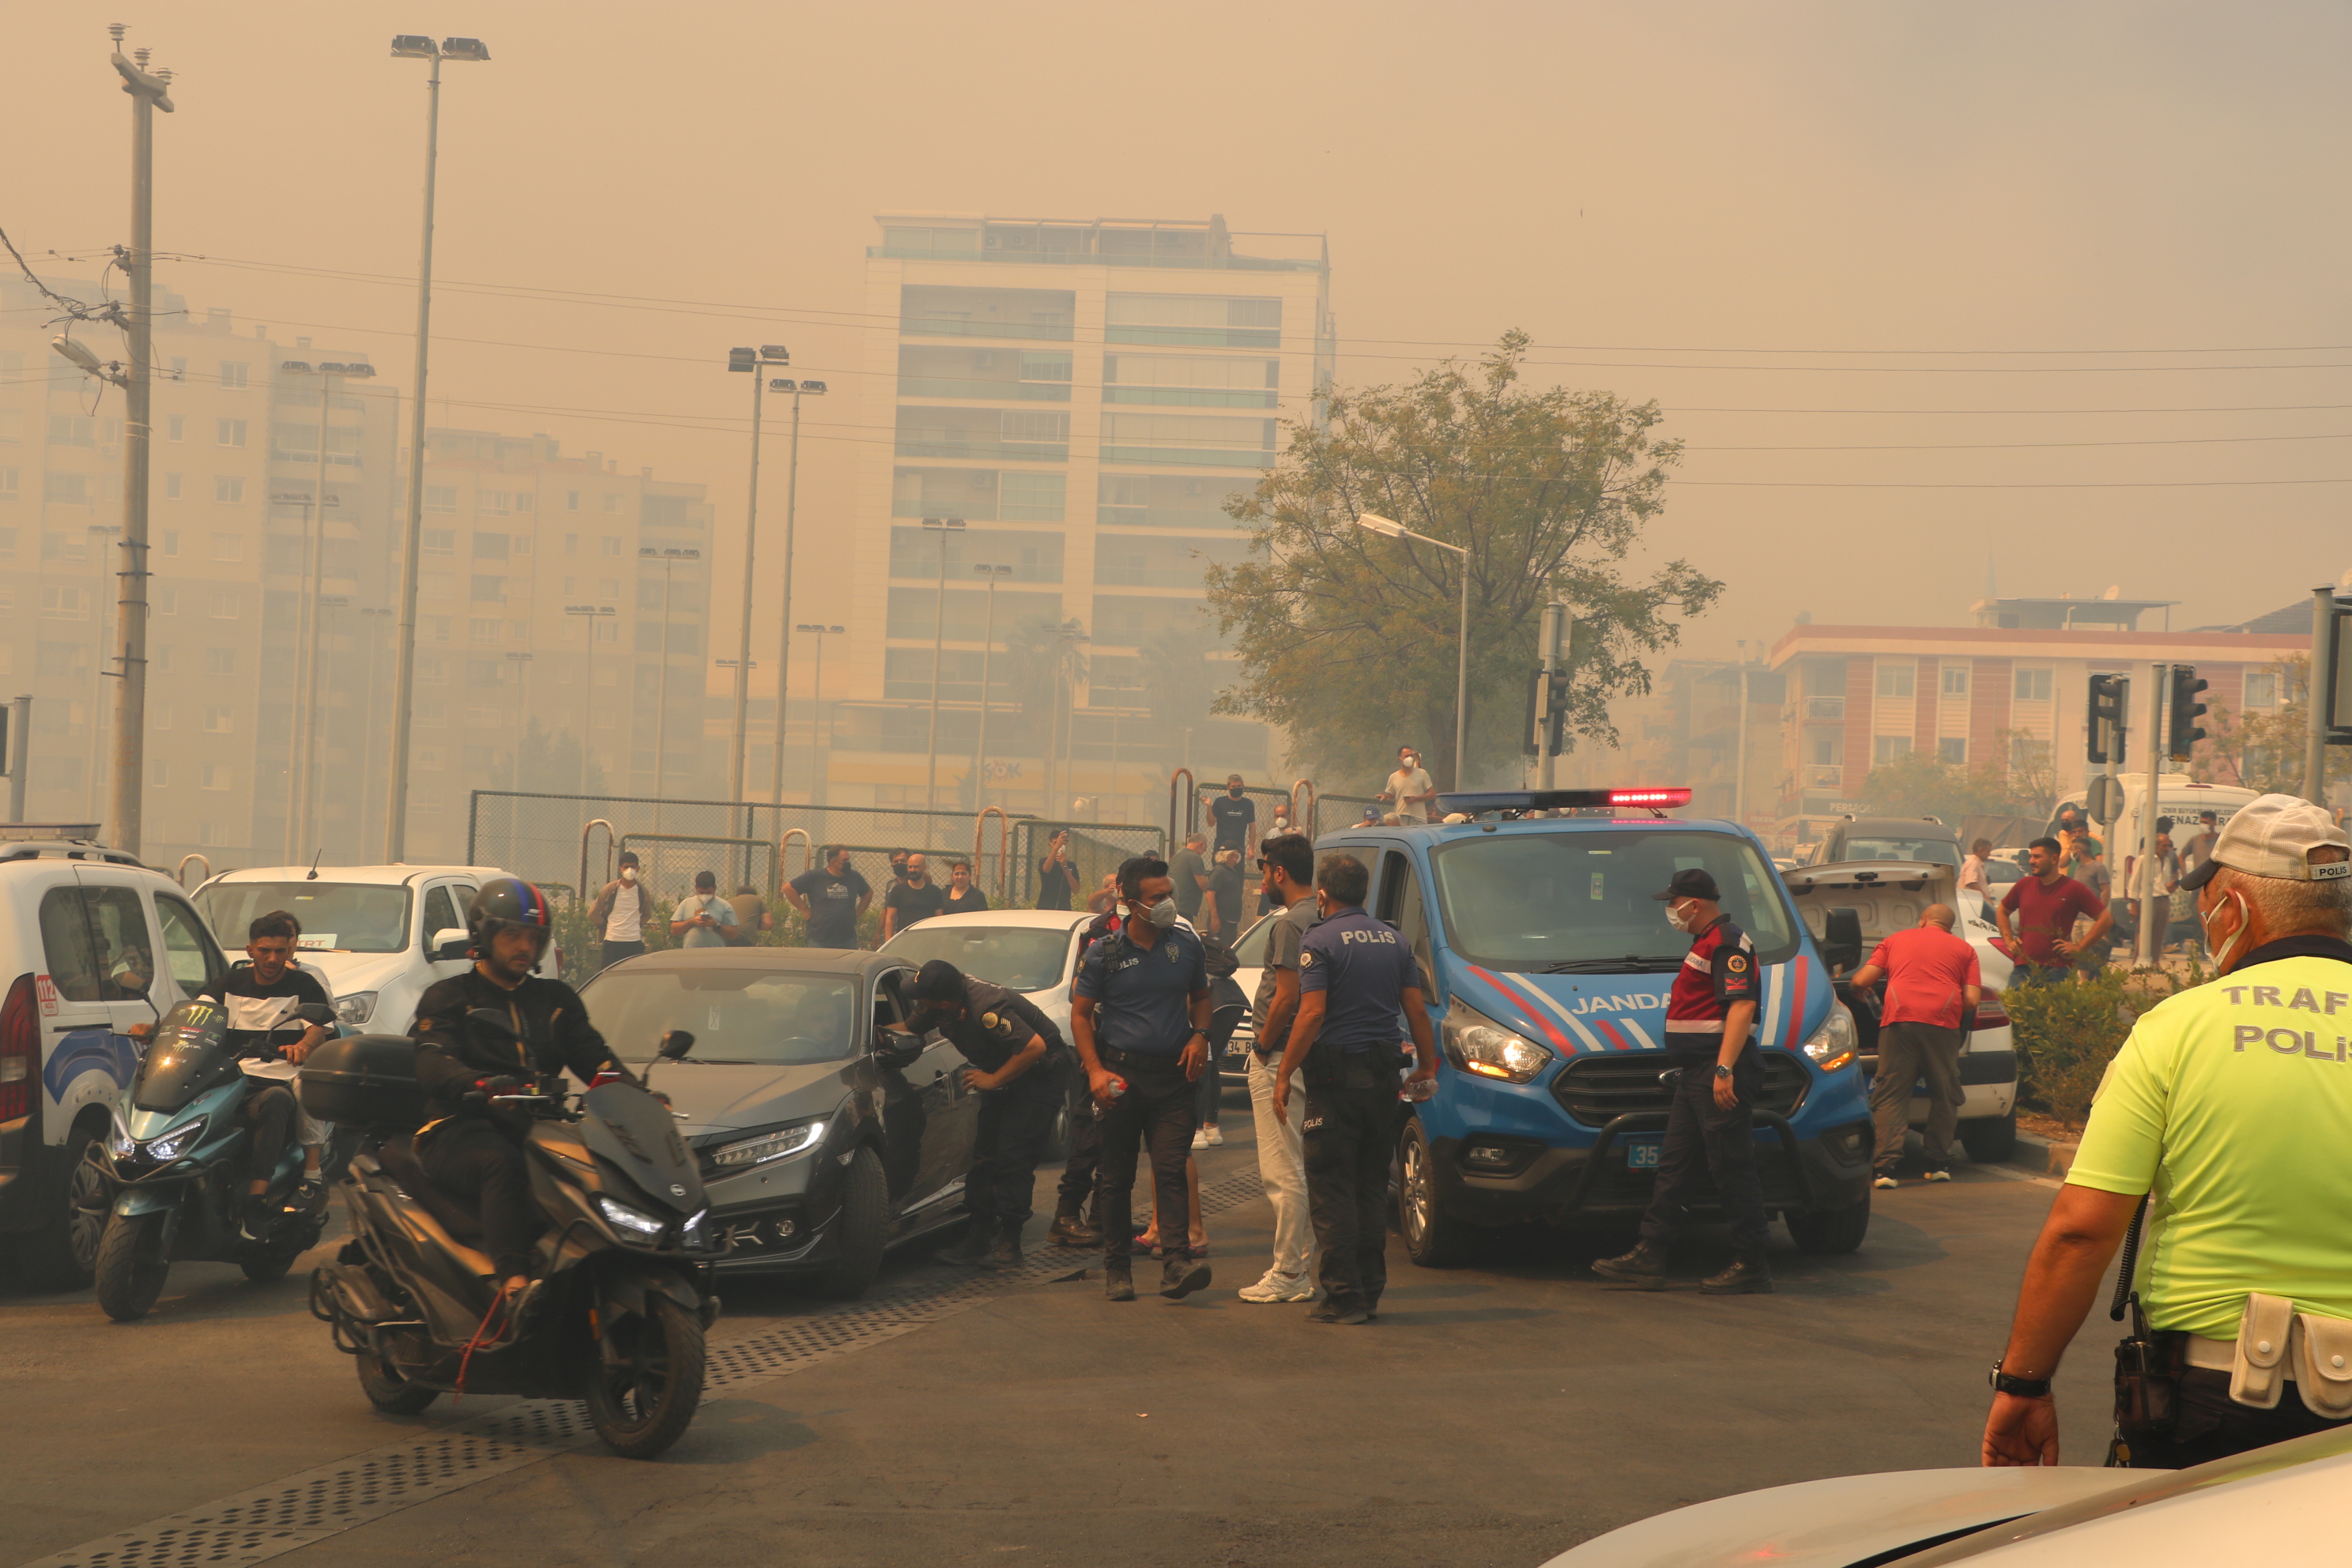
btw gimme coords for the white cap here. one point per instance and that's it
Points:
(2273, 835)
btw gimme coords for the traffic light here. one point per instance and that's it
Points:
(2182, 731)
(2110, 700)
(1547, 729)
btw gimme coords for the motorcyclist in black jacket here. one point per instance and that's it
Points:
(470, 1148)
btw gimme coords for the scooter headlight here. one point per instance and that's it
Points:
(1833, 1045)
(175, 1142)
(631, 1221)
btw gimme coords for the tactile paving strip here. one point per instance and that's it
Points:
(301, 1510)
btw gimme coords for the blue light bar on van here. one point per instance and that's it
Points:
(1472, 802)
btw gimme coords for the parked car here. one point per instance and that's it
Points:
(379, 934)
(1549, 963)
(1850, 908)
(1250, 950)
(1888, 838)
(91, 942)
(2284, 1497)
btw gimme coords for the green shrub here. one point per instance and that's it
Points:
(2067, 1033)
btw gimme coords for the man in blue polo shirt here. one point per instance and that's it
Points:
(1356, 974)
(1140, 1017)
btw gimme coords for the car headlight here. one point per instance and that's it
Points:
(635, 1221)
(770, 1146)
(1833, 1045)
(175, 1142)
(1478, 1045)
(356, 1009)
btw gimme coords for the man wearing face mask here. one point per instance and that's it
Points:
(2223, 1113)
(1709, 1011)
(1233, 815)
(621, 912)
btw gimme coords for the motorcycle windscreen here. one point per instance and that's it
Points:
(189, 1054)
(633, 1130)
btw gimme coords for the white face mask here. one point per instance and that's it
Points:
(1677, 916)
(628, 873)
(1161, 914)
(2222, 950)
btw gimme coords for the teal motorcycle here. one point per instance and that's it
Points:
(178, 1161)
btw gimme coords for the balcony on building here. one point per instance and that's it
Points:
(993, 435)
(930, 310)
(1097, 242)
(1012, 375)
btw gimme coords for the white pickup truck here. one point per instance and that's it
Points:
(1849, 907)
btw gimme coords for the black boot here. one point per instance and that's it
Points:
(1006, 1253)
(1645, 1267)
(1749, 1274)
(974, 1245)
(1071, 1229)
(1119, 1281)
(1181, 1277)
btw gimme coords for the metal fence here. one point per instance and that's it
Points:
(1096, 849)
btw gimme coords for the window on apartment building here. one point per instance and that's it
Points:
(437, 629)
(159, 776)
(612, 501)
(163, 598)
(235, 375)
(482, 629)
(1032, 497)
(2261, 690)
(1953, 750)
(490, 546)
(60, 602)
(231, 432)
(1955, 681)
(7, 483)
(225, 603)
(572, 544)
(219, 720)
(1895, 680)
(430, 671)
(176, 428)
(171, 486)
(66, 489)
(608, 587)
(8, 544)
(440, 498)
(2033, 685)
(1825, 749)
(215, 776)
(220, 661)
(611, 543)
(228, 487)
(1889, 748)
(488, 590)
(437, 541)
(73, 430)
(572, 500)
(228, 547)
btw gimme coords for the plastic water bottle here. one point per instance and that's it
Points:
(1118, 1086)
(1412, 1093)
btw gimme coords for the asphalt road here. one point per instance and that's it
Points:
(1496, 1414)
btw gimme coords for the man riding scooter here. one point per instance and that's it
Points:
(260, 1000)
(470, 1148)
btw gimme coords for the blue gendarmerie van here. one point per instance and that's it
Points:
(1548, 962)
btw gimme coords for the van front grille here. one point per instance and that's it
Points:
(1596, 1089)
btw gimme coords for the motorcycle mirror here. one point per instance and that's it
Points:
(675, 1045)
(141, 1031)
(489, 1019)
(315, 1013)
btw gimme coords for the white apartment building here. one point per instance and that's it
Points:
(1085, 394)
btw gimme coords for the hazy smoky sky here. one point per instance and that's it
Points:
(1741, 210)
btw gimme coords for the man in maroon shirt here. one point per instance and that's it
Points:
(1933, 985)
(2046, 904)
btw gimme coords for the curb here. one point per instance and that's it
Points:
(2040, 1155)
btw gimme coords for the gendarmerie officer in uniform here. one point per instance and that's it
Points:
(1710, 1018)
(2226, 1112)
(1356, 975)
(1019, 1070)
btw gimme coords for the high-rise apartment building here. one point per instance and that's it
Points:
(1086, 396)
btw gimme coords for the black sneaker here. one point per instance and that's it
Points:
(1072, 1230)
(1338, 1309)
(1181, 1277)
(1119, 1281)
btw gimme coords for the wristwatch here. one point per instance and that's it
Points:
(1722, 1071)
(2024, 1387)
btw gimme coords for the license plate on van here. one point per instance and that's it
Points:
(1644, 1155)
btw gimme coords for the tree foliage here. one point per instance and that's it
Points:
(2020, 779)
(1348, 640)
(2262, 749)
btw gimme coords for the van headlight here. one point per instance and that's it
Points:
(356, 1009)
(769, 1146)
(634, 1221)
(1478, 1045)
(1831, 1045)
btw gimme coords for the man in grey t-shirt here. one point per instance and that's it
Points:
(1289, 862)
(1188, 869)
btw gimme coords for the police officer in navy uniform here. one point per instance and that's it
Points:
(1710, 1018)
(1355, 976)
(1020, 1065)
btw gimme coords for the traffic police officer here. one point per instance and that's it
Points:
(1355, 975)
(1710, 1010)
(2226, 1108)
(1019, 1070)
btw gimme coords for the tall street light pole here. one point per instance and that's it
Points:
(591, 614)
(754, 362)
(1375, 523)
(816, 696)
(944, 527)
(784, 606)
(987, 648)
(669, 560)
(148, 94)
(416, 47)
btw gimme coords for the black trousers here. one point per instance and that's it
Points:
(2211, 1425)
(1082, 1175)
(268, 1114)
(471, 1159)
(1155, 1111)
(1705, 1139)
(616, 951)
(1015, 1127)
(1350, 1137)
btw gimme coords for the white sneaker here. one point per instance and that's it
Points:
(1936, 1177)
(1279, 1288)
(1215, 1134)
(1200, 1138)
(1884, 1182)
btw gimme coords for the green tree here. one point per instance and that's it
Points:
(2264, 748)
(2019, 782)
(1348, 640)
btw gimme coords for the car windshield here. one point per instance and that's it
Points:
(1941, 851)
(1019, 958)
(756, 1016)
(1536, 900)
(1251, 948)
(337, 917)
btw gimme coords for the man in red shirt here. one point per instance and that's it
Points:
(2046, 904)
(1933, 986)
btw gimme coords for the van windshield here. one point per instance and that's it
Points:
(1541, 900)
(337, 917)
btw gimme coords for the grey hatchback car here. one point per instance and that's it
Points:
(819, 1151)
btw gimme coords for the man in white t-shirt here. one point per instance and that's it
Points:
(619, 913)
(1410, 787)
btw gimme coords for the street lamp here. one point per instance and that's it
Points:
(304, 754)
(944, 527)
(785, 609)
(592, 613)
(417, 46)
(987, 648)
(816, 696)
(752, 362)
(1375, 523)
(669, 559)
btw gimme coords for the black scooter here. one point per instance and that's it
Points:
(619, 1309)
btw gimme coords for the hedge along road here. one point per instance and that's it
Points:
(1496, 1414)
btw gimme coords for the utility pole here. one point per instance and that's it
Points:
(755, 364)
(784, 610)
(20, 753)
(987, 648)
(148, 93)
(1554, 634)
(2147, 949)
(2315, 698)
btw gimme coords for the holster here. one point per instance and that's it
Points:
(2323, 1364)
(2148, 1380)
(2258, 1373)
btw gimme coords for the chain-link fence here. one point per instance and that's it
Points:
(1315, 813)
(1096, 849)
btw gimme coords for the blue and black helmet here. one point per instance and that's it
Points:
(506, 902)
